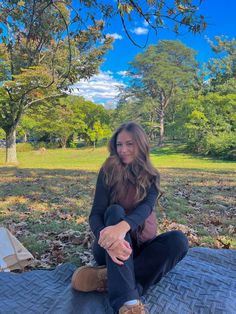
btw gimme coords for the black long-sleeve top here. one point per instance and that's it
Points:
(102, 200)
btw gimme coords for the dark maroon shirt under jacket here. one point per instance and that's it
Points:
(136, 215)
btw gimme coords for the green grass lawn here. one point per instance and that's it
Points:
(45, 200)
(91, 159)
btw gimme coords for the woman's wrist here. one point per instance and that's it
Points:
(125, 227)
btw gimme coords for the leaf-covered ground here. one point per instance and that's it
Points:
(47, 210)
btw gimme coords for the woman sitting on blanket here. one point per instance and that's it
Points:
(130, 256)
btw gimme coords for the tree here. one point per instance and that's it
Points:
(97, 122)
(210, 124)
(60, 120)
(2, 133)
(161, 15)
(222, 68)
(41, 56)
(158, 73)
(27, 124)
(175, 116)
(68, 117)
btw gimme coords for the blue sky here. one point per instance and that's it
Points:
(103, 88)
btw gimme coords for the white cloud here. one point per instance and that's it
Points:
(102, 88)
(145, 23)
(140, 31)
(115, 35)
(123, 73)
(126, 74)
(137, 76)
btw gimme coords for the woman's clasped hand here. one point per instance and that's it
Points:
(112, 240)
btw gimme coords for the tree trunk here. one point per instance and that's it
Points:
(25, 138)
(161, 138)
(63, 141)
(11, 157)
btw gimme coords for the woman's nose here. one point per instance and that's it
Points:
(123, 148)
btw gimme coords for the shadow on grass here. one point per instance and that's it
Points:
(32, 194)
(61, 186)
(40, 204)
(47, 209)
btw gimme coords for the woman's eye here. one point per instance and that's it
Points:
(118, 145)
(130, 144)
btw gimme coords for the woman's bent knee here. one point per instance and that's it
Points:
(180, 241)
(114, 214)
(177, 243)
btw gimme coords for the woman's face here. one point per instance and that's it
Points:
(126, 147)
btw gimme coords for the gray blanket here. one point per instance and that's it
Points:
(203, 282)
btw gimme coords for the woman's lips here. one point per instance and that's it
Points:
(126, 158)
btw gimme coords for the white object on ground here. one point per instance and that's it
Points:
(13, 255)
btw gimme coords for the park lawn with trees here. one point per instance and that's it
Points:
(45, 47)
(46, 200)
(41, 57)
(88, 158)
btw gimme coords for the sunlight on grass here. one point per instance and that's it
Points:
(84, 159)
(49, 196)
(92, 159)
(179, 160)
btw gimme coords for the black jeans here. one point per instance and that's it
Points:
(146, 265)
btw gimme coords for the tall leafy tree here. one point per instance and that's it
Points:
(223, 67)
(69, 117)
(97, 122)
(158, 73)
(60, 120)
(41, 55)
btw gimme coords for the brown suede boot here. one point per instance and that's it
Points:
(90, 278)
(133, 309)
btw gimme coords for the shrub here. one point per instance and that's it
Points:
(24, 147)
(222, 144)
(232, 154)
(72, 145)
(47, 145)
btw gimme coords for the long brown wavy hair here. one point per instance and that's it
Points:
(141, 173)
